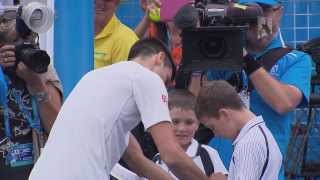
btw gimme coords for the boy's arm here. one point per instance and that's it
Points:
(140, 164)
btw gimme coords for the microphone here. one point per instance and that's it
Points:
(186, 17)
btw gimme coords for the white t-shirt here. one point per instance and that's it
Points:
(192, 153)
(251, 151)
(92, 129)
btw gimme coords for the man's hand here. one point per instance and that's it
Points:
(149, 5)
(218, 176)
(34, 80)
(7, 56)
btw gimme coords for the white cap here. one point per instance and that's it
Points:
(25, 2)
(37, 16)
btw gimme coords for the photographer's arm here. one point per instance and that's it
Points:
(49, 107)
(140, 164)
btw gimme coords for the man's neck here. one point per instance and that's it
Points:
(101, 22)
(145, 63)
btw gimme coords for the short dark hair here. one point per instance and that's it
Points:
(151, 46)
(217, 95)
(181, 98)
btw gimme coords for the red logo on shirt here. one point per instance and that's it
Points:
(164, 98)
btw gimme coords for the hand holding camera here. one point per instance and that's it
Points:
(7, 56)
(8, 60)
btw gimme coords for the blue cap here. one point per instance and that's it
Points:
(267, 2)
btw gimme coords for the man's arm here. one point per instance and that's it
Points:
(48, 108)
(147, 6)
(140, 164)
(286, 94)
(172, 154)
(281, 97)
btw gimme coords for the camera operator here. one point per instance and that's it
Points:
(32, 104)
(278, 91)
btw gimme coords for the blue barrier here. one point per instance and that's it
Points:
(73, 40)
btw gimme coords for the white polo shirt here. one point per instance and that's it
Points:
(91, 130)
(256, 154)
(192, 153)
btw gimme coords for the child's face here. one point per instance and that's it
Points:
(185, 125)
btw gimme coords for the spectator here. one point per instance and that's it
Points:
(185, 125)
(113, 39)
(87, 144)
(256, 154)
(30, 100)
(278, 91)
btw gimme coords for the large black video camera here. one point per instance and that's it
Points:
(218, 42)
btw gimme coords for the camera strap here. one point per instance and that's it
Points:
(32, 118)
(4, 103)
(269, 59)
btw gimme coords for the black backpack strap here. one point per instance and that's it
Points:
(112, 177)
(203, 134)
(270, 58)
(206, 160)
(156, 159)
(267, 159)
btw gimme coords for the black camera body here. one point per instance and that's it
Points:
(35, 59)
(219, 41)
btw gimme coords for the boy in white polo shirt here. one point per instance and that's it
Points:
(185, 125)
(256, 154)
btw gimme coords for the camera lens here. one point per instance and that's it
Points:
(35, 59)
(213, 47)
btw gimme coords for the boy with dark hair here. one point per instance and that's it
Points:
(185, 125)
(256, 154)
(92, 130)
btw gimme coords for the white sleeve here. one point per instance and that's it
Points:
(121, 172)
(248, 159)
(151, 97)
(216, 160)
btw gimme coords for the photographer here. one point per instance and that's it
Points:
(30, 105)
(278, 91)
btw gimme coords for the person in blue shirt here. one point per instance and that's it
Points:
(278, 92)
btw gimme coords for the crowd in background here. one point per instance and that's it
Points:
(251, 128)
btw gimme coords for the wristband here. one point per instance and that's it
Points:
(251, 65)
(41, 97)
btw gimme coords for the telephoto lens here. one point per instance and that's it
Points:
(35, 59)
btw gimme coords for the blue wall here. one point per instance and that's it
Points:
(73, 40)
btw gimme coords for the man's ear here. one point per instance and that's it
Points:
(223, 114)
(161, 56)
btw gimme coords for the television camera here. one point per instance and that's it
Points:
(219, 40)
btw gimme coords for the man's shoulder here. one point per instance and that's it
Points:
(123, 32)
(295, 56)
